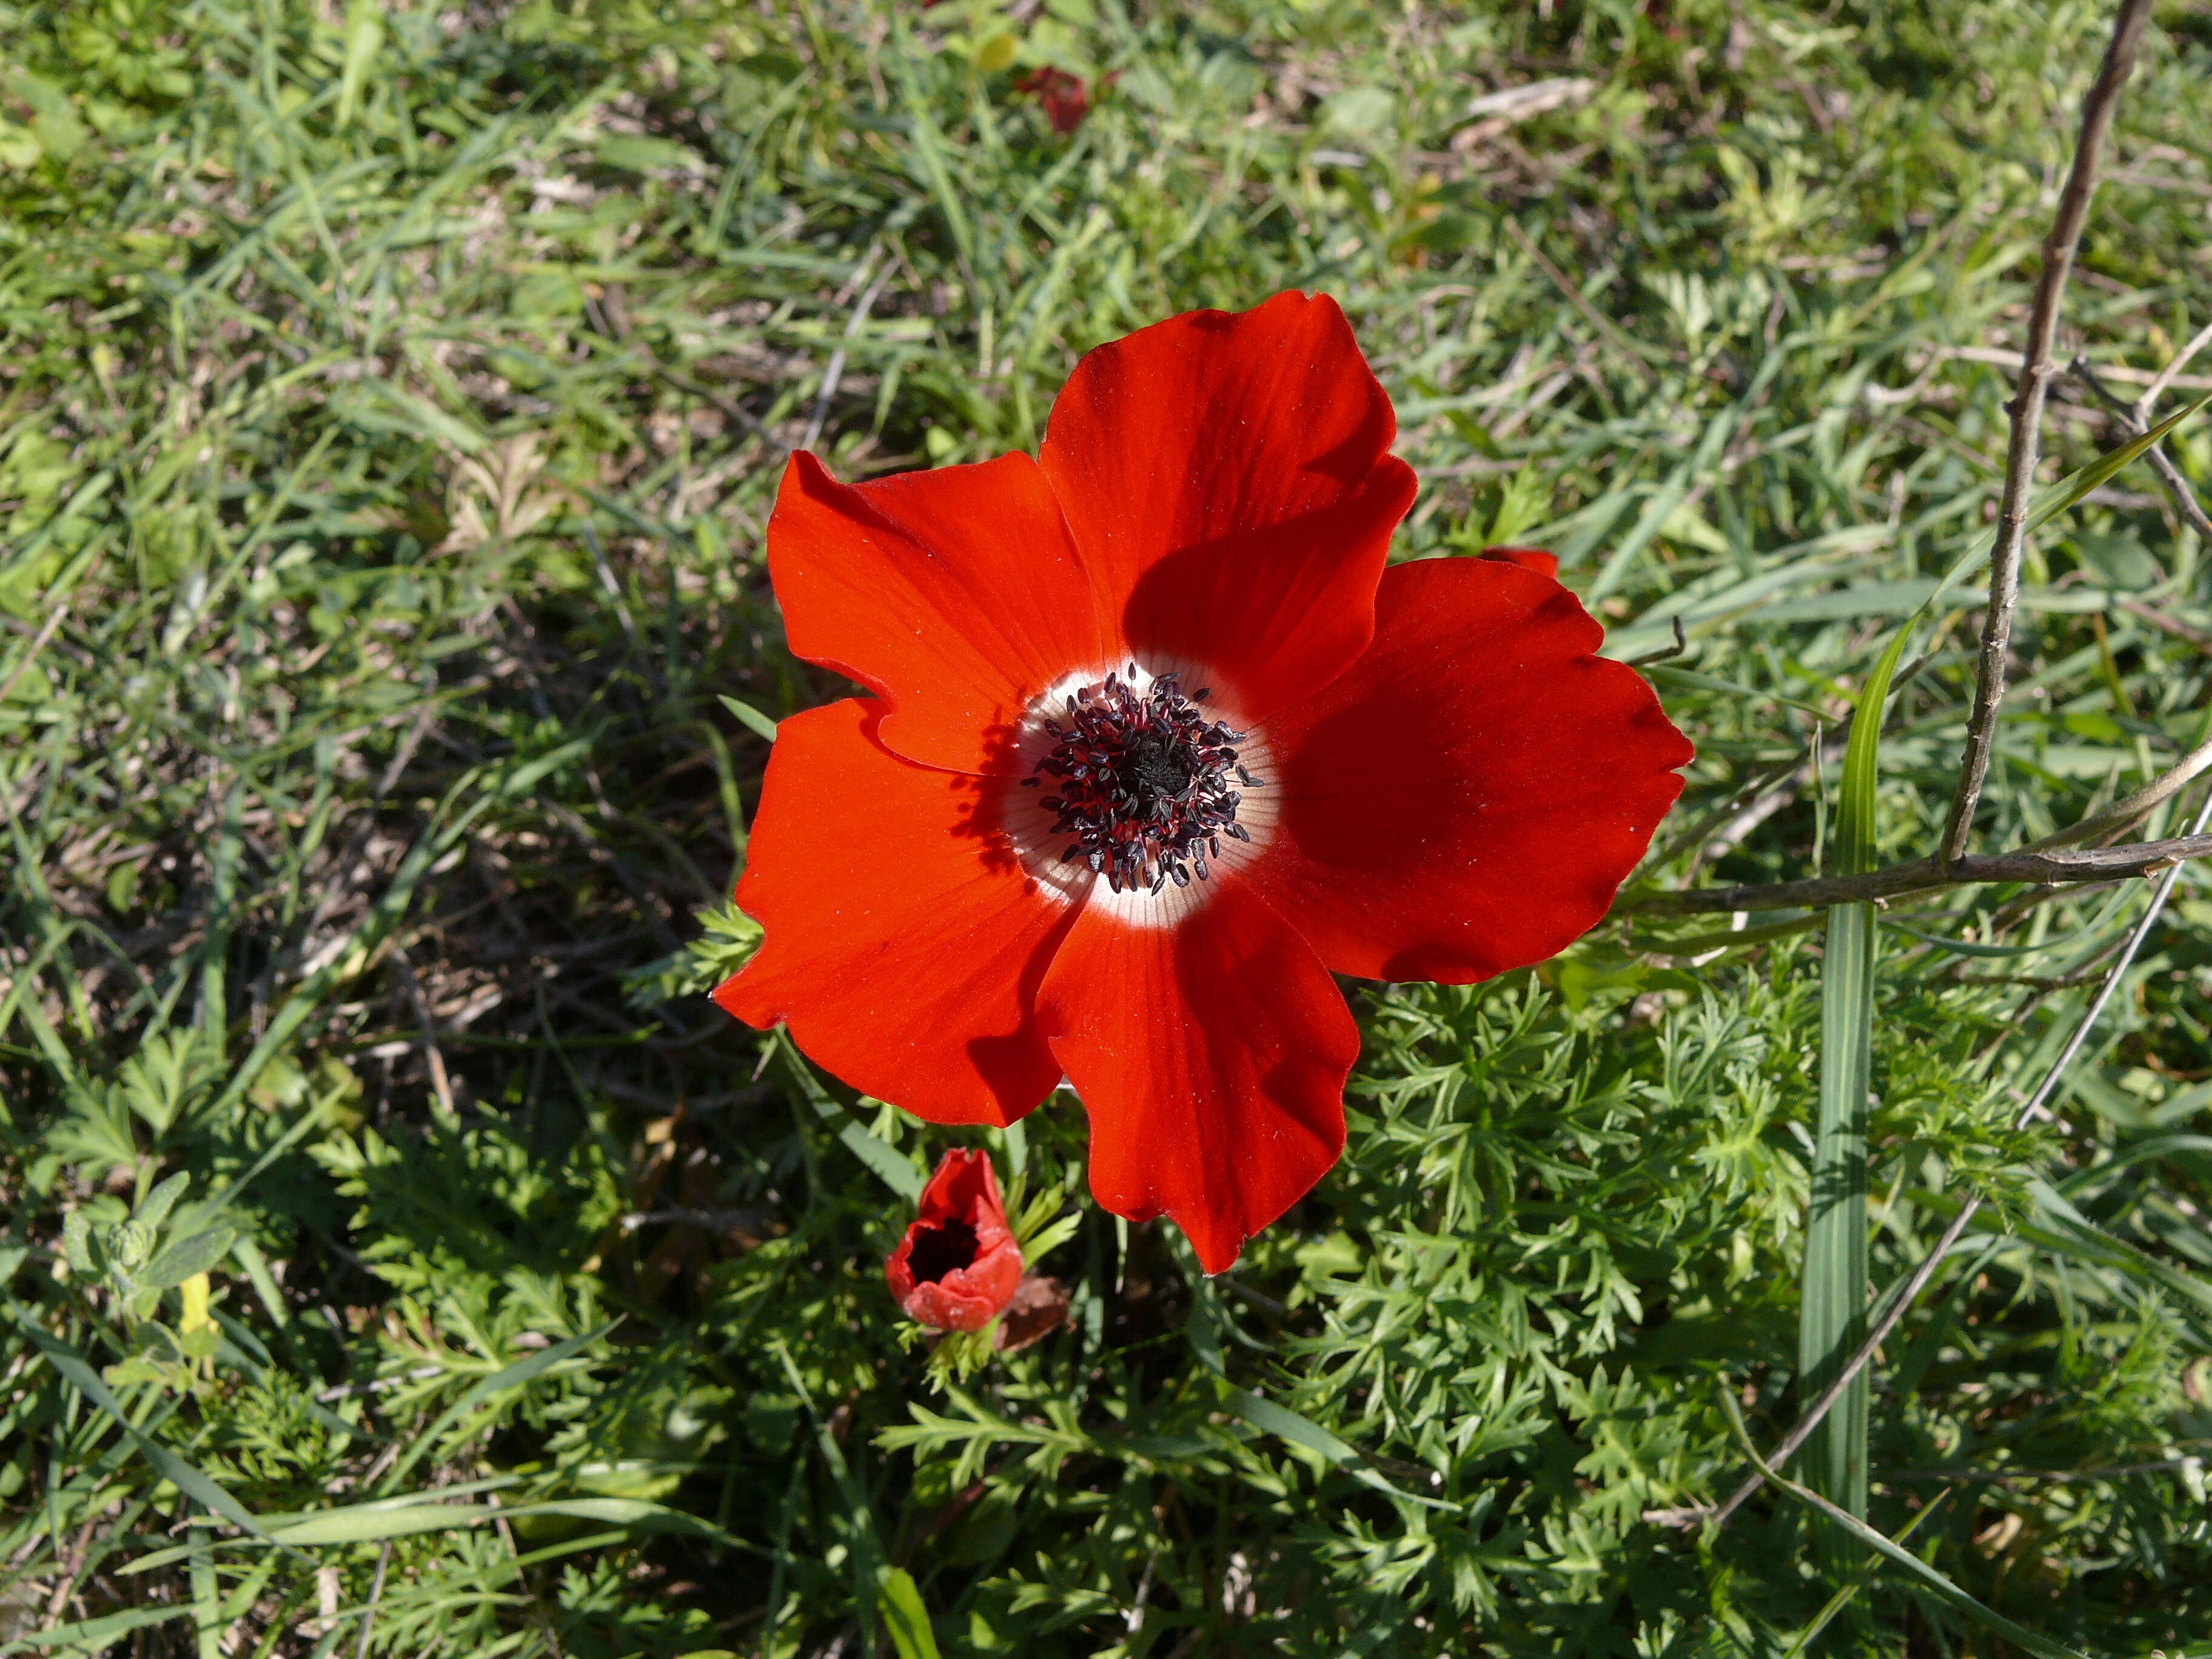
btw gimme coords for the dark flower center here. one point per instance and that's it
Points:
(1144, 780)
(941, 1249)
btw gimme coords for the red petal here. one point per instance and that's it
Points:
(965, 1188)
(1226, 479)
(1529, 558)
(955, 594)
(904, 943)
(1468, 796)
(1211, 1055)
(970, 1298)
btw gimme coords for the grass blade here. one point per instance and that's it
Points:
(200, 1488)
(1831, 1316)
(2019, 1635)
(892, 1167)
(906, 1616)
(1284, 1424)
(1849, 1592)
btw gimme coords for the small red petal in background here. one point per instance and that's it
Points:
(1529, 558)
(1066, 100)
(957, 1268)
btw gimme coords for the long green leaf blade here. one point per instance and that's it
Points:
(1832, 1317)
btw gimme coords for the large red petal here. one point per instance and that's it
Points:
(1211, 1055)
(1226, 479)
(1469, 795)
(904, 943)
(958, 594)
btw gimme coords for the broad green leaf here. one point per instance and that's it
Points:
(187, 1256)
(905, 1617)
(163, 1198)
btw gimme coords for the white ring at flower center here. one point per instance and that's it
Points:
(1029, 823)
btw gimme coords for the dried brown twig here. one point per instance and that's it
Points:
(2143, 857)
(1574, 296)
(2026, 447)
(2135, 420)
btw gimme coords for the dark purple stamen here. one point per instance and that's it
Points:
(1142, 782)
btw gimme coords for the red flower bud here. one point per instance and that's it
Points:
(957, 1267)
(1529, 558)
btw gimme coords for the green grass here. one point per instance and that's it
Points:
(391, 404)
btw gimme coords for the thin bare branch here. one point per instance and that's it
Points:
(2025, 449)
(2134, 420)
(835, 372)
(2051, 866)
(2000, 1477)
(2166, 378)
(1575, 297)
(37, 644)
(2180, 630)
(375, 1595)
(2125, 815)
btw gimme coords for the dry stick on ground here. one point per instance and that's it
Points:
(2036, 372)
(1904, 1298)
(2046, 862)
(2142, 858)
(1575, 297)
(37, 645)
(441, 1084)
(375, 1595)
(2134, 420)
(2180, 630)
(2167, 376)
(835, 372)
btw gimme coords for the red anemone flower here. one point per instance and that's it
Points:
(1157, 745)
(957, 1267)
